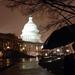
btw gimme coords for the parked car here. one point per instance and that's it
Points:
(53, 63)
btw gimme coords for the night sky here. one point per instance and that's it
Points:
(13, 21)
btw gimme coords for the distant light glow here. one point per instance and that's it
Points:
(46, 54)
(30, 32)
(58, 58)
(42, 47)
(58, 50)
(67, 50)
(36, 48)
(8, 47)
(50, 61)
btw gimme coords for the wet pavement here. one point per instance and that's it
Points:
(26, 67)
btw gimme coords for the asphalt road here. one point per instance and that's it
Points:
(26, 68)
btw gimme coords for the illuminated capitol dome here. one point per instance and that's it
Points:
(31, 39)
(30, 33)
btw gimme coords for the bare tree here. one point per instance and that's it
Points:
(64, 9)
